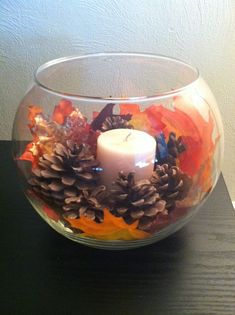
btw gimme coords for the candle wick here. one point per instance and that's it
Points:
(128, 136)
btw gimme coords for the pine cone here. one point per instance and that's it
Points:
(136, 200)
(171, 183)
(86, 203)
(65, 172)
(167, 153)
(115, 122)
(175, 146)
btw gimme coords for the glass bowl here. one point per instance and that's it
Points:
(117, 150)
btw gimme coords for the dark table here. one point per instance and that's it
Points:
(191, 272)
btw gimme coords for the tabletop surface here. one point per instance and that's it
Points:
(190, 272)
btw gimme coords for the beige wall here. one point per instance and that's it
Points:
(197, 31)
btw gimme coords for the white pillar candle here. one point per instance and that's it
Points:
(125, 150)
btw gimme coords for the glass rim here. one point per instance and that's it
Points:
(160, 95)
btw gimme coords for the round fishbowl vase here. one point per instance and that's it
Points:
(117, 150)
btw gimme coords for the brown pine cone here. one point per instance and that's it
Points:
(171, 183)
(65, 172)
(136, 200)
(87, 204)
(174, 148)
(115, 122)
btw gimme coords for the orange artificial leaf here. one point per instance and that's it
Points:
(196, 131)
(33, 112)
(155, 118)
(34, 150)
(205, 180)
(132, 109)
(141, 122)
(29, 154)
(177, 121)
(200, 145)
(112, 228)
(62, 110)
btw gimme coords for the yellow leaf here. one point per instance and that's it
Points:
(112, 228)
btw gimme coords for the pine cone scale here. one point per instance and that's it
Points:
(61, 150)
(173, 195)
(56, 186)
(121, 197)
(45, 193)
(90, 214)
(36, 172)
(68, 180)
(51, 158)
(49, 174)
(44, 164)
(70, 215)
(57, 195)
(151, 212)
(164, 187)
(76, 199)
(57, 167)
(70, 192)
(122, 211)
(152, 200)
(138, 203)
(137, 214)
(44, 185)
(88, 177)
(180, 184)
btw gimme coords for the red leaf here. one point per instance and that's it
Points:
(50, 213)
(28, 154)
(62, 110)
(132, 109)
(155, 118)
